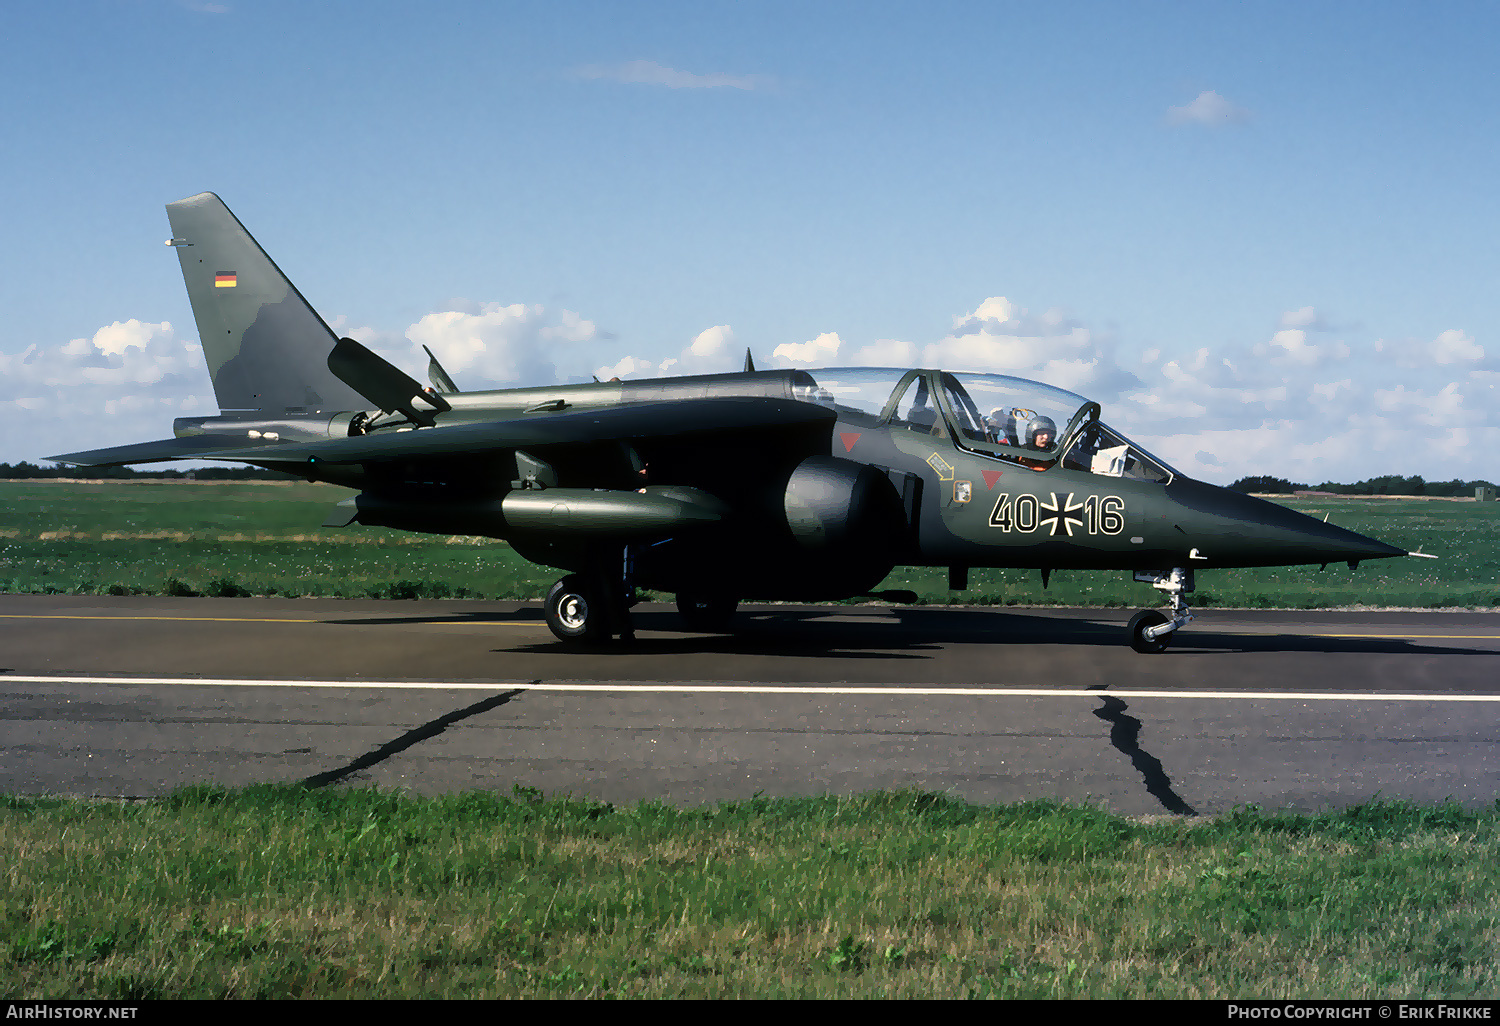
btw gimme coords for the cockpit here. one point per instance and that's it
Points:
(1012, 420)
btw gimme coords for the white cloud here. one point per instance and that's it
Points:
(138, 374)
(712, 351)
(497, 345)
(817, 353)
(625, 368)
(1452, 347)
(1001, 337)
(1295, 348)
(1304, 402)
(1209, 108)
(651, 73)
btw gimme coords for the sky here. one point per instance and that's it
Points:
(1265, 237)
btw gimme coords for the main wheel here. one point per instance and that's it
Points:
(706, 614)
(573, 612)
(1138, 624)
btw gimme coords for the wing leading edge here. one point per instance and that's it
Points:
(686, 418)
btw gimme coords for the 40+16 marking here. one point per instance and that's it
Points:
(1098, 514)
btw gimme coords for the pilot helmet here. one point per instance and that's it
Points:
(1038, 425)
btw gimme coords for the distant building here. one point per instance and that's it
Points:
(1485, 493)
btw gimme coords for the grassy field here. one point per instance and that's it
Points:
(283, 892)
(260, 538)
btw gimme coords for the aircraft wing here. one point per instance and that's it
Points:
(680, 419)
(190, 448)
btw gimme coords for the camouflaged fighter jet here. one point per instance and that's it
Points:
(778, 485)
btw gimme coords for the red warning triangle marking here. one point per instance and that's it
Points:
(990, 477)
(849, 437)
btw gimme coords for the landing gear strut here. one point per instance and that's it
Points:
(1150, 630)
(593, 606)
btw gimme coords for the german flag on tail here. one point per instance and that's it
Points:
(226, 280)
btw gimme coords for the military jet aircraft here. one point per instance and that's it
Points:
(799, 485)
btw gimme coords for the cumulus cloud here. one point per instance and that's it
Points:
(139, 374)
(652, 73)
(1452, 346)
(1338, 409)
(1001, 337)
(712, 351)
(493, 345)
(1208, 108)
(1306, 401)
(131, 378)
(816, 353)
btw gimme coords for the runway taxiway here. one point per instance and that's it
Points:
(134, 696)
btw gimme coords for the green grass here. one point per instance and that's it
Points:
(240, 538)
(275, 892)
(256, 538)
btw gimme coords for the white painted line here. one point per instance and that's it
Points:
(757, 689)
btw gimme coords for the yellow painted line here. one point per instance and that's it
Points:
(239, 619)
(1383, 637)
(758, 689)
(179, 619)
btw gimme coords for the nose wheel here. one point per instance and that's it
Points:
(1151, 630)
(1139, 624)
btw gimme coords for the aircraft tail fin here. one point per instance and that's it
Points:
(266, 347)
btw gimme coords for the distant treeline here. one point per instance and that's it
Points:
(1390, 484)
(26, 471)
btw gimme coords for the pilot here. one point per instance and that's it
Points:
(998, 423)
(1040, 434)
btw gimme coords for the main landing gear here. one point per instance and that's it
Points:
(593, 606)
(1150, 630)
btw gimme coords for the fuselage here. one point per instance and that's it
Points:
(972, 491)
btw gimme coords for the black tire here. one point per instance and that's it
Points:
(1138, 640)
(574, 612)
(704, 614)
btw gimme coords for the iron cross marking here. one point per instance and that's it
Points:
(1061, 515)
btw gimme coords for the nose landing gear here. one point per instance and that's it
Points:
(1150, 630)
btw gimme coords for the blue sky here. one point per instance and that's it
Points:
(1263, 236)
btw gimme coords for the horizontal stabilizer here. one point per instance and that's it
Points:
(626, 422)
(160, 451)
(383, 384)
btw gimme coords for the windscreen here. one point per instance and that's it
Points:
(1012, 418)
(1101, 450)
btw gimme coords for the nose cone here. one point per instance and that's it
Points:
(1233, 529)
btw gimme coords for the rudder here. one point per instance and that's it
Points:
(267, 348)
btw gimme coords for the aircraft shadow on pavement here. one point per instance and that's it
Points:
(416, 735)
(496, 616)
(867, 631)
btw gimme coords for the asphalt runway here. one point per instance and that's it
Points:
(132, 697)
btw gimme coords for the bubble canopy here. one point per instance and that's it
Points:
(991, 414)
